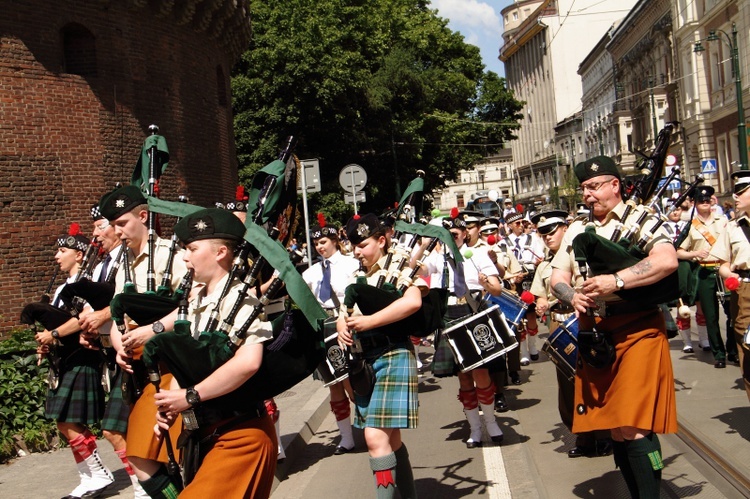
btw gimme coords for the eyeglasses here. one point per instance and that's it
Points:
(593, 186)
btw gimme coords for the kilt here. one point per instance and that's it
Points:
(116, 412)
(241, 463)
(141, 440)
(393, 402)
(638, 389)
(79, 397)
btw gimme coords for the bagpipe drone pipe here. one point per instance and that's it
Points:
(297, 346)
(606, 256)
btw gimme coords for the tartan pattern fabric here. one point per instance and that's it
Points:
(117, 411)
(79, 398)
(393, 403)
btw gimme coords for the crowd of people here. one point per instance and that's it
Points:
(541, 267)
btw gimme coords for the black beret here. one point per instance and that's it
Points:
(74, 239)
(359, 228)
(514, 217)
(96, 213)
(115, 204)
(209, 223)
(596, 166)
(329, 231)
(703, 193)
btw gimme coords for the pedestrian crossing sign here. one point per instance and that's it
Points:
(708, 166)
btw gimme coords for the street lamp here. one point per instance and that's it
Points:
(733, 47)
(653, 107)
(601, 145)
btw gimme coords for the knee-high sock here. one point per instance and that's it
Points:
(342, 411)
(644, 455)
(160, 485)
(404, 474)
(384, 470)
(620, 453)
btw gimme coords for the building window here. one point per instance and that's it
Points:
(79, 50)
(460, 200)
(221, 86)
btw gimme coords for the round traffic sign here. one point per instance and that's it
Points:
(353, 178)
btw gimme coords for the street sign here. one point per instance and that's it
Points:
(708, 166)
(349, 198)
(311, 182)
(352, 178)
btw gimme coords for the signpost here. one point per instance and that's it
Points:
(310, 182)
(708, 166)
(353, 179)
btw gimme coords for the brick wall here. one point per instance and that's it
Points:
(66, 138)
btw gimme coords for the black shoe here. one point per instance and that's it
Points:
(500, 404)
(341, 450)
(580, 452)
(534, 356)
(733, 358)
(603, 447)
(515, 378)
(720, 364)
(498, 439)
(470, 444)
(706, 349)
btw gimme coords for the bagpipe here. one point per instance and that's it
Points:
(621, 250)
(297, 345)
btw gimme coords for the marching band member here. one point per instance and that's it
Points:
(475, 276)
(241, 456)
(552, 225)
(115, 420)
(733, 250)
(127, 210)
(705, 228)
(634, 402)
(392, 403)
(78, 400)
(327, 280)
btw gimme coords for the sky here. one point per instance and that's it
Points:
(480, 23)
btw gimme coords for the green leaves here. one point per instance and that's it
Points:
(383, 83)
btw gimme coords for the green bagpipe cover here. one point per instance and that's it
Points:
(606, 257)
(296, 349)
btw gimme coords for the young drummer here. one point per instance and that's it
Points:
(327, 280)
(241, 459)
(392, 404)
(78, 400)
(551, 226)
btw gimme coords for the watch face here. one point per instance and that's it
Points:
(158, 327)
(192, 396)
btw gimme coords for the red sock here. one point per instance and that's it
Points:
(122, 454)
(341, 409)
(469, 399)
(80, 449)
(272, 409)
(486, 395)
(90, 440)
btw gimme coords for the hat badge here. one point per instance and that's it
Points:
(594, 167)
(200, 226)
(120, 203)
(362, 230)
(543, 219)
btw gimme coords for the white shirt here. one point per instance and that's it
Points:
(342, 268)
(479, 262)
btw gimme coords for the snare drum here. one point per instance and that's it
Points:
(562, 347)
(512, 307)
(479, 338)
(335, 365)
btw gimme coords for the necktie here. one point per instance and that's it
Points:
(517, 249)
(459, 280)
(325, 284)
(105, 268)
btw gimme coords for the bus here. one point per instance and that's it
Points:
(482, 203)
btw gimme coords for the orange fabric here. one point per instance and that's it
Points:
(141, 440)
(638, 389)
(242, 463)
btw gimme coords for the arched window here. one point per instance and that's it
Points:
(79, 50)
(221, 86)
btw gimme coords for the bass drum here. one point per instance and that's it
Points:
(479, 338)
(562, 347)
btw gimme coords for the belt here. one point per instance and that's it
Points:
(209, 419)
(621, 308)
(375, 342)
(711, 264)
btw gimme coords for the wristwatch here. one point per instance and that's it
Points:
(55, 334)
(619, 282)
(192, 396)
(157, 327)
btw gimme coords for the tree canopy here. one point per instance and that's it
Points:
(381, 83)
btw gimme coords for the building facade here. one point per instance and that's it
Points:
(80, 83)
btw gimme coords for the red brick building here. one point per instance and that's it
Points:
(80, 83)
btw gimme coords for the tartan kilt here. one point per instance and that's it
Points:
(79, 398)
(117, 411)
(393, 403)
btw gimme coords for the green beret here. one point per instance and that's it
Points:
(115, 204)
(209, 223)
(596, 166)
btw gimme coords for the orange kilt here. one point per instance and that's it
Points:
(638, 389)
(242, 463)
(141, 440)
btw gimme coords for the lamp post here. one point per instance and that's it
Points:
(734, 49)
(599, 133)
(653, 107)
